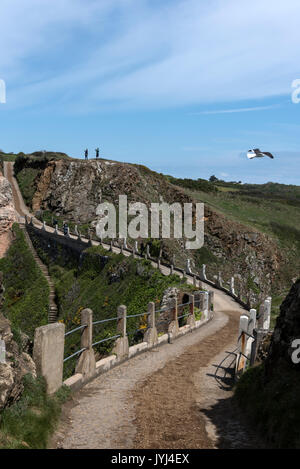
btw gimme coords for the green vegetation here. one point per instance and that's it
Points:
(272, 406)
(29, 422)
(193, 184)
(26, 289)
(198, 314)
(102, 282)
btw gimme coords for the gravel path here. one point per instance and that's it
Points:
(165, 398)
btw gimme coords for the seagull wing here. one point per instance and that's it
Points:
(268, 154)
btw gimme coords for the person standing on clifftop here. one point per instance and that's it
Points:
(97, 152)
(86, 154)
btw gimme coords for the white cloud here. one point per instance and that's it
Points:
(242, 109)
(139, 53)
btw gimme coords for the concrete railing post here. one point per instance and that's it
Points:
(203, 272)
(210, 301)
(56, 229)
(231, 288)
(191, 317)
(242, 344)
(48, 354)
(173, 326)
(195, 280)
(44, 226)
(151, 333)
(267, 315)
(121, 347)
(172, 269)
(148, 251)
(220, 280)
(206, 305)
(251, 327)
(86, 364)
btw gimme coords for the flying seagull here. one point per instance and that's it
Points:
(256, 153)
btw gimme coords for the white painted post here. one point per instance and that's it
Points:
(44, 226)
(2, 352)
(203, 272)
(242, 343)
(267, 313)
(251, 327)
(206, 305)
(188, 266)
(232, 286)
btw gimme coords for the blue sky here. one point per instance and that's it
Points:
(185, 87)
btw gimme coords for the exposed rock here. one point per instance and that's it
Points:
(18, 362)
(7, 214)
(73, 189)
(286, 330)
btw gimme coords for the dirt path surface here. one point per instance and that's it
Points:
(165, 398)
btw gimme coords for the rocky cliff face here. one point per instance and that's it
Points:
(286, 330)
(18, 361)
(7, 214)
(72, 189)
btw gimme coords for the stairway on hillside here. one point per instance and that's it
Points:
(53, 312)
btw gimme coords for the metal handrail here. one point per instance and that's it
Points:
(184, 304)
(76, 329)
(74, 354)
(104, 320)
(183, 316)
(136, 315)
(105, 340)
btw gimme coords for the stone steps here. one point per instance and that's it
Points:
(52, 313)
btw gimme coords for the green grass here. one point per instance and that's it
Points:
(29, 422)
(26, 180)
(26, 289)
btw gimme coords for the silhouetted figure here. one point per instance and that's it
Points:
(97, 152)
(86, 154)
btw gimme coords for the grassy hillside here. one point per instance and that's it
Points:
(102, 282)
(26, 289)
(28, 423)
